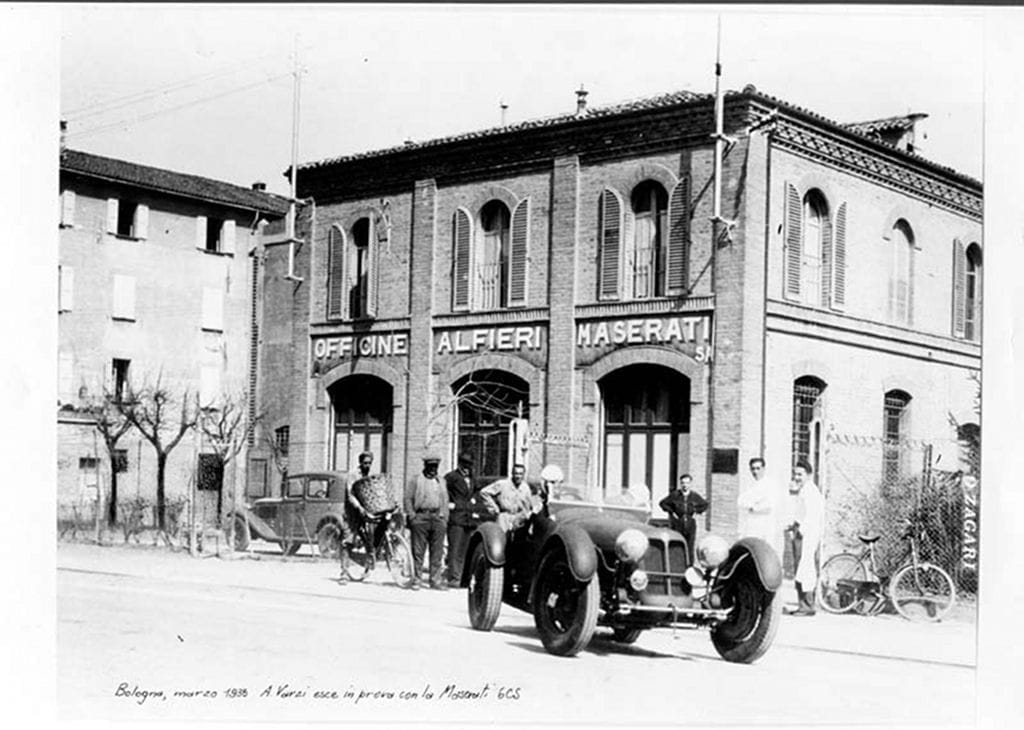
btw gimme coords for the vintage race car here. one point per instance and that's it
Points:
(588, 564)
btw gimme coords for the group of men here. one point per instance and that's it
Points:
(791, 519)
(449, 508)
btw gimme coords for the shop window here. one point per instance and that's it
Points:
(362, 420)
(353, 271)
(901, 280)
(808, 420)
(486, 403)
(490, 258)
(894, 433)
(119, 369)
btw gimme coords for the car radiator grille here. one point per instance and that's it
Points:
(663, 561)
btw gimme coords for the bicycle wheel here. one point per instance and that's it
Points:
(360, 558)
(399, 559)
(924, 592)
(839, 582)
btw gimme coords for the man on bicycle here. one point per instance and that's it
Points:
(356, 513)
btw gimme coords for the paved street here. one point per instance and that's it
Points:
(132, 621)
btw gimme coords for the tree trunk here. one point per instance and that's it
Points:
(161, 502)
(112, 504)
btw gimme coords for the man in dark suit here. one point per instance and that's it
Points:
(464, 514)
(681, 505)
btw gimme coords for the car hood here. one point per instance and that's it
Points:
(603, 528)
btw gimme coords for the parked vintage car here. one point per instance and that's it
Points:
(310, 510)
(589, 564)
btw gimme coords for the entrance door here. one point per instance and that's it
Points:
(487, 400)
(362, 421)
(646, 428)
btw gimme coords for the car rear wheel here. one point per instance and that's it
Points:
(750, 629)
(626, 636)
(241, 539)
(486, 583)
(564, 609)
(328, 540)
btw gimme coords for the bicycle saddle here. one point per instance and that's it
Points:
(868, 539)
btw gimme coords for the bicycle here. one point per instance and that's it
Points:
(919, 591)
(379, 538)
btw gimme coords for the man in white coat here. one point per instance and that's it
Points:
(805, 518)
(757, 507)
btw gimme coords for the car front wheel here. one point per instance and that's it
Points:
(486, 583)
(564, 609)
(750, 629)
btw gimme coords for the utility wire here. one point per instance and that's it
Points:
(160, 112)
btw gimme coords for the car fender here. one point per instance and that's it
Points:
(492, 537)
(766, 561)
(579, 549)
(257, 526)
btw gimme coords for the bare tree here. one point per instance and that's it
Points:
(110, 417)
(155, 412)
(226, 426)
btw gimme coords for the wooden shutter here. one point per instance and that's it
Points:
(209, 385)
(678, 254)
(111, 215)
(213, 309)
(794, 242)
(67, 289)
(67, 208)
(959, 288)
(201, 232)
(610, 245)
(519, 254)
(337, 291)
(839, 260)
(461, 257)
(65, 377)
(826, 257)
(140, 226)
(124, 297)
(373, 264)
(227, 237)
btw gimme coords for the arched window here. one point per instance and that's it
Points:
(487, 400)
(362, 420)
(492, 264)
(359, 263)
(353, 271)
(650, 224)
(901, 282)
(895, 427)
(815, 245)
(808, 417)
(972, 293)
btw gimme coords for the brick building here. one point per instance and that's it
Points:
(156, 281)
(567, 271)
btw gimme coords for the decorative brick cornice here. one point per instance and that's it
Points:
(824, 147)
(645, 307)
(534, 315)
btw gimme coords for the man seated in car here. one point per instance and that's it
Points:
(511, 501)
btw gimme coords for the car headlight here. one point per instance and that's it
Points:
(630, 545)
(712, 551)
(638, 580)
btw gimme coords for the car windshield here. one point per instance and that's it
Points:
(631, 504)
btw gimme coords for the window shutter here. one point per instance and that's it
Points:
(67, 208)
(519, 254)
(678, 258)
(209, 385)
(213, 309)
(65, 377)
(227, 237)
(373, 275)
(794, 242)
(124, 297)
(826, 259)
(111, 215)
(627, 253)
(959, 288)
(461, 234)
(140, 226)
(609, 246)
(337, 294)
(839, 260)
(910, 285)
(66, 295)
(201, 232)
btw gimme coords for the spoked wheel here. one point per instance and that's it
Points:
(241, 542)
(486, 582)
(922, 593)
(360, 558)
(328, 540)
(839, 583)
(399, 558)
(754, 618)
(564, 609)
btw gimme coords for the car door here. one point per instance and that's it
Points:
(291, 505)
(317, 503)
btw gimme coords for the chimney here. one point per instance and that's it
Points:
(909, 141)
(259, 185)
(504, 108)
(63, 133)
(581, 101)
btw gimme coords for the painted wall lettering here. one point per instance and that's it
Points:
(372, 345)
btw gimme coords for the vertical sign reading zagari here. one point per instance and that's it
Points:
(969, 549)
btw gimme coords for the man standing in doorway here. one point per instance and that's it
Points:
(805, 517)
(682, 504)
(464, 514)
(757, 507)
(426, 510)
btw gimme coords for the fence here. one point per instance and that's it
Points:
(872, 486)
(136, 516)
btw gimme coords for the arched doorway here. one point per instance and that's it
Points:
(646, 428)
(486, 401)
(361, 412)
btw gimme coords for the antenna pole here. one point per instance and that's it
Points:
(719, 123)
(296, 83)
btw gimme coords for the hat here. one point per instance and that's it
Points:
(466, 458)
(431, 456)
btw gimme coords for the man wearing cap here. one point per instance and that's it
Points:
(426, 510)
(463, 514)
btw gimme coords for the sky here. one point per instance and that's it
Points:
(208, 89)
